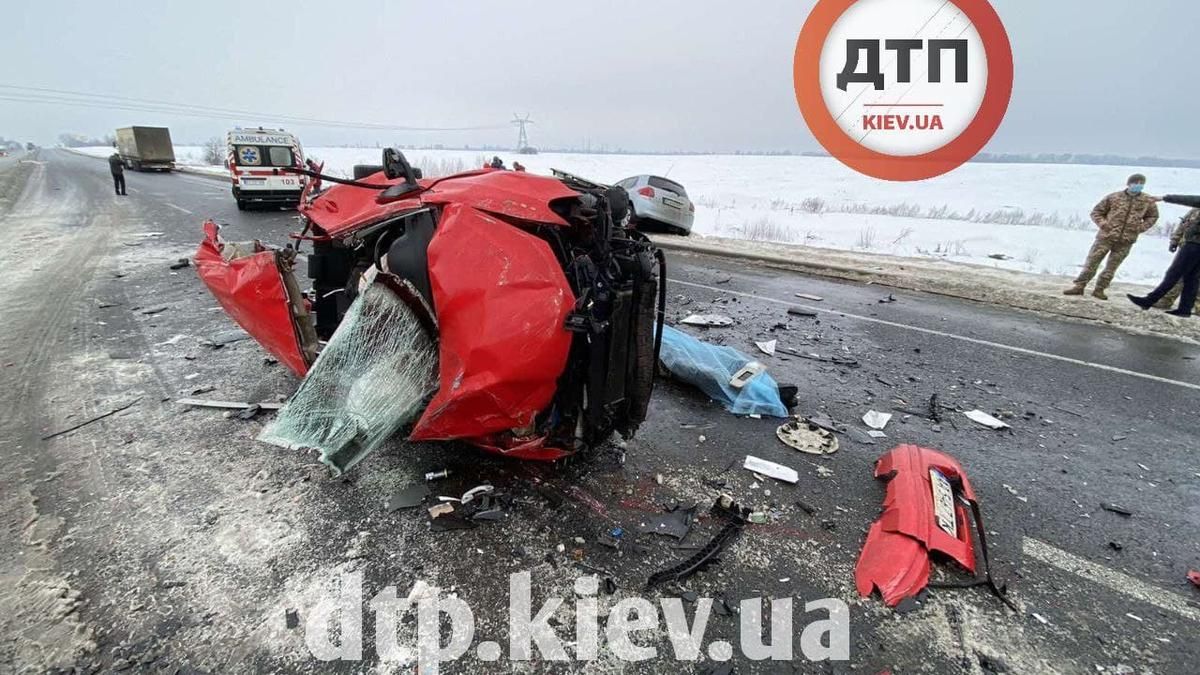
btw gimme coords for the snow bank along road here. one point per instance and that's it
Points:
(163, 537)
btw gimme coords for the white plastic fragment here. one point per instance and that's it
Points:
(712, 320)
(876, 419)
(768, 468)
(980, 417)
(767, 347)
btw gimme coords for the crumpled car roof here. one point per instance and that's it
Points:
(344, 208)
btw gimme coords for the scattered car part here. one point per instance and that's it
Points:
(180, 264)
(676, 523)
(925, 511)
(1194, 577)
(980, 417)
(797, 311)
(437, 475)
(807, 437)
(709, 368)
(876, 419)
(232, 405)
(736, 517)
(707, 320)
(410, 497)
(771, 469)
(806, 296)
(1120, 511)
(767, 347)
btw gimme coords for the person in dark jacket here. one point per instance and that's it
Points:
(117, 168)
(1185, 267)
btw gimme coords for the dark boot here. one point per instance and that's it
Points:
(1140, 301)
(1179, 313)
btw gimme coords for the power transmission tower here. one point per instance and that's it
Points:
(522, 136)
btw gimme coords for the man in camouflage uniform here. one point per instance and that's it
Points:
(1186, 266)
(1122, 217)
(1191, 220)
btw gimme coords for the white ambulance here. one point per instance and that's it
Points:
(256, 159)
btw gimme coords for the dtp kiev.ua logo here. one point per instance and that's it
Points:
(903, 89)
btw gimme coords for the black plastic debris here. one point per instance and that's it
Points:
(1113, 508)
(249, 412)
(889, 299)
(154, 310)
(181, 263)
(410, 497)
(675, 523)
(736, 517)
(797, 311)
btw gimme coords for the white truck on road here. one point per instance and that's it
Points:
(256, 159)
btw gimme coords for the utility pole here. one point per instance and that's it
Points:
(522, 136)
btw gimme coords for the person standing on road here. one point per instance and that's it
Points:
(1185, 267)
(1122, 217)
(117, 168)
(1177, 235)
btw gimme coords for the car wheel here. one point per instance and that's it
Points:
(241, 204)
(680, 231)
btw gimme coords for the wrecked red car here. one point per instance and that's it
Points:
(510, 310)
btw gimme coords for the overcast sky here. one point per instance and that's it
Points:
(1092, 76)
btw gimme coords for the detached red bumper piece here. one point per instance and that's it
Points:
(924, 512)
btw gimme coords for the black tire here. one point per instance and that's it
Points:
(681, 232)
(241, 204)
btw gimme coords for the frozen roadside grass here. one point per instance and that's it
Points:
(978, 282)
(765, 229)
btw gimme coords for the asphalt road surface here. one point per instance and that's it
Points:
(164, 538)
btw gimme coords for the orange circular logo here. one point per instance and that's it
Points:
(903, 90)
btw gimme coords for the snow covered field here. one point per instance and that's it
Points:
(1035, 214)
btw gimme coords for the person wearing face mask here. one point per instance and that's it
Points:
(1121, 218)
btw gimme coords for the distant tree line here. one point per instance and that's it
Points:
(71, 140)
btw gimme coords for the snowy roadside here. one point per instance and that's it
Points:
(756, 207)
(1010, 288)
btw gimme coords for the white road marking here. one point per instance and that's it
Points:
(952, 336)
(179, 208)
(1110, 579)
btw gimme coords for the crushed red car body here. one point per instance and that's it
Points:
(546, 309)
(925, 511)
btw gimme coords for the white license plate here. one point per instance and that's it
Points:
(253, 180)
(943, 503)
(673, 203)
